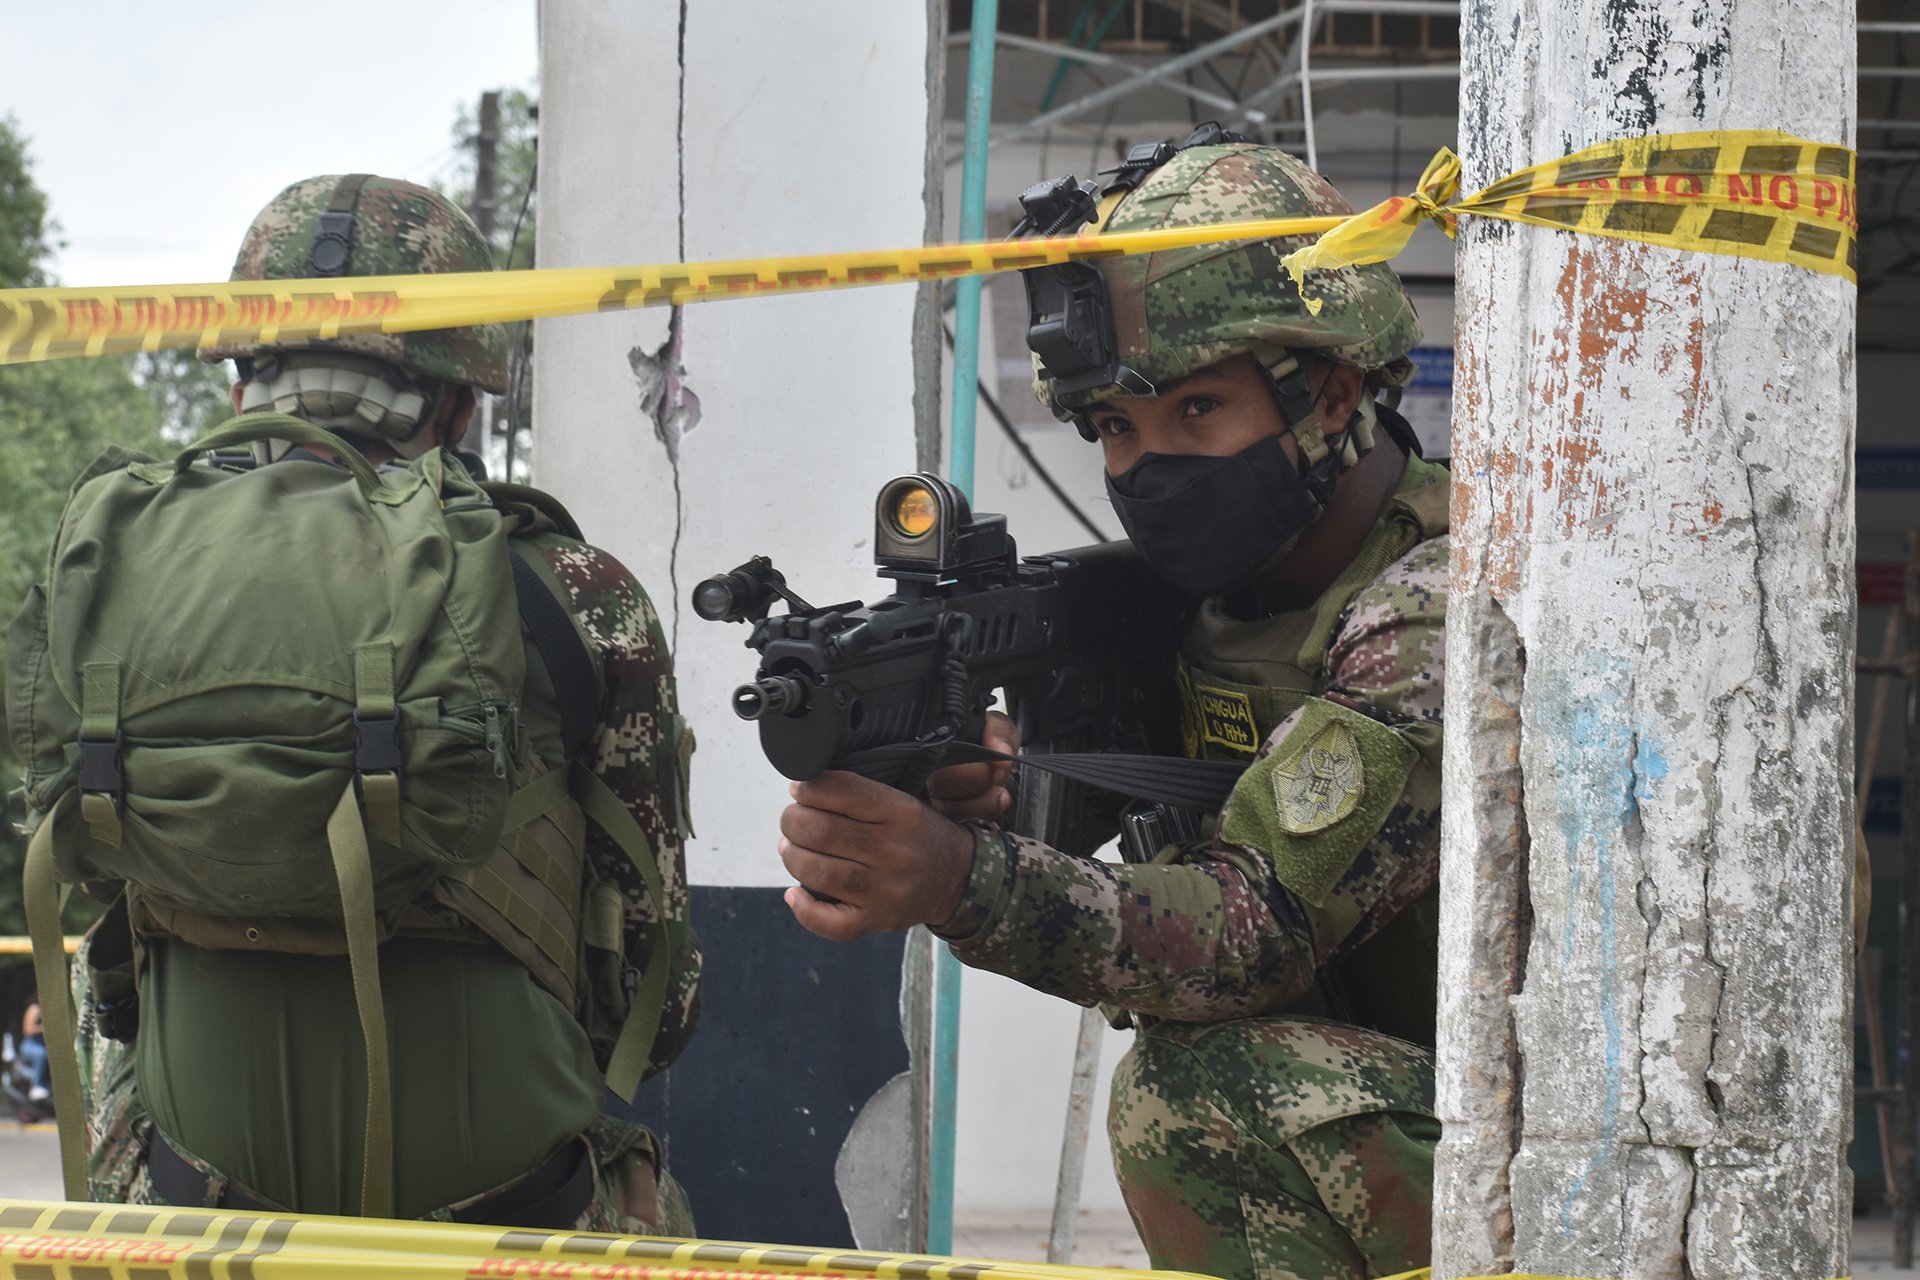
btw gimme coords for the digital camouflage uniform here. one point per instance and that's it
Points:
(640, 749)
(1257, 1132)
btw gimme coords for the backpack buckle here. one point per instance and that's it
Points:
(100, 769)
(376, 746)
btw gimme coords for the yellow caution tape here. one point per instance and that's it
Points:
(52, 1240)
(47, 324)
(15, 946)
(1754, 193)
(68, 1241)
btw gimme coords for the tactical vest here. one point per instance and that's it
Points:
(1239, 680)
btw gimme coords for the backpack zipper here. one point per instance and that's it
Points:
(490, 723)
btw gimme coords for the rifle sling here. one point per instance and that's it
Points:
(1201, 785)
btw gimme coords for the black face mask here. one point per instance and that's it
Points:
(1208, 524)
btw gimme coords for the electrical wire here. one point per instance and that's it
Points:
(1032, 459)
(517, 371)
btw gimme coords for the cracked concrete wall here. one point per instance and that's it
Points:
(690, 439)
(1646, 1050)
(687, 440)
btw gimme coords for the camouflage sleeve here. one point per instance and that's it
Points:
(641, 752)
(1344, 802)
(1242, 925)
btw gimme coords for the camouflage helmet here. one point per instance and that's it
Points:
(395, 228)
(1180, 310)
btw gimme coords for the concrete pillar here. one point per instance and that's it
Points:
(1645, 1044)
(686, 441)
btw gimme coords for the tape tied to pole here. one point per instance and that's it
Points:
(1748, 193)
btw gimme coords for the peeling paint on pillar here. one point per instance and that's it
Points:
(674, 410)
(1646, 1044)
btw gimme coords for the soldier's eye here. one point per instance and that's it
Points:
(1114, 426)
(1195, 406)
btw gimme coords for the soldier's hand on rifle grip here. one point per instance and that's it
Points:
(963, 791)
(889, 860)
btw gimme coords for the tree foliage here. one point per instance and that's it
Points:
(509, 418)
(515, 162)
(27, 237)
(55, 418)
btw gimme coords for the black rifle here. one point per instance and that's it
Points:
(1082, 642)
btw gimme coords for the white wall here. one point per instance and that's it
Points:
(767, 127)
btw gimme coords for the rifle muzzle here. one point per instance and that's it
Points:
(770, 696)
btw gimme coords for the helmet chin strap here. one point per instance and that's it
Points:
(1320, 462)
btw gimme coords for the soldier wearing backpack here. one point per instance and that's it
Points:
(384, 771)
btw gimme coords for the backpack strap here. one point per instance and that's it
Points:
(634, 1046)
(543, 505)
(352, 864)
(576, 679)
(42, 901)
(575, 676)
(102, 788)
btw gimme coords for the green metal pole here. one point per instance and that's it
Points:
(966, 366)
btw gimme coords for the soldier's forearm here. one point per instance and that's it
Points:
(1194, 942)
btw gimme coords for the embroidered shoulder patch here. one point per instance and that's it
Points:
(1321, 783)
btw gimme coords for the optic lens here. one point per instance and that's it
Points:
(915, 512)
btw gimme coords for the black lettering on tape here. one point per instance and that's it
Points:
(1644, 216)
(233, 1234)
(240, 1267)
(1771, 159)
(529, 1240)
(1684, 160)
(38, 319)
(1513, 184)
(132, 1222)
(1815, 242)
(1735, 227)
(664, 291)
(1586, 170)
(1833, 162)
(620, 296)
(1560, 209)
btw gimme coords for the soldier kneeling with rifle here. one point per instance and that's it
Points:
(1275, 1116)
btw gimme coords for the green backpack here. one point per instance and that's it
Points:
(282, 705)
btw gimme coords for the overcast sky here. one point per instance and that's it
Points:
(158, 130)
